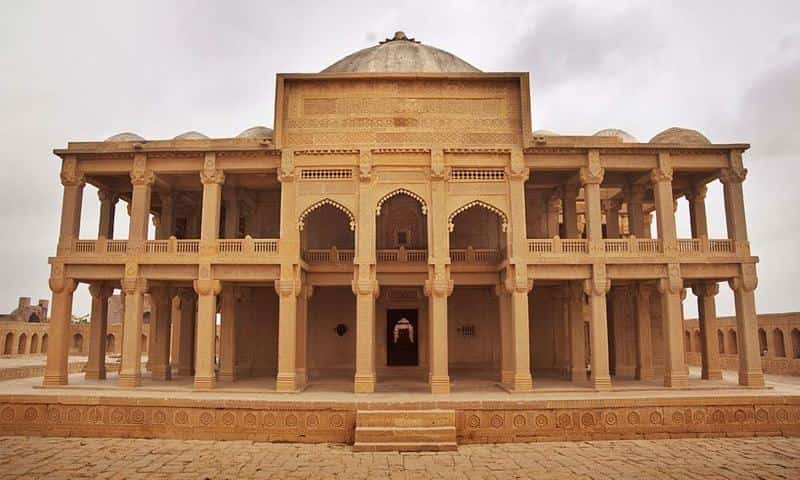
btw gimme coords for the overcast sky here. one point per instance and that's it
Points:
(86, 70)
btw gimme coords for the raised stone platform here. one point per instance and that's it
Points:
(483, 413)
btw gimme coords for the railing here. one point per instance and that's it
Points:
(331, 255)
(402, 255)
(479, 256)
(85, 246)
(116, 246)
(156, 246)
(688, 245)
(721, 246)
(633, 246)
(557, 246)
(172, 246)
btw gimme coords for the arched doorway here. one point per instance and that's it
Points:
(44, 343)
(477, 234)
(22, 344)
(328, 233)
(77, 343)
(9, 344)
(777, 340)
(34, 343)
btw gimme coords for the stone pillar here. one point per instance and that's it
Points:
(187, 333)
(661, 177)
(520, 333)
(707, 311)
(228, 332)
(644, 337)
(287, 289)
(160, 323)
(732, 179)
(166, 219)
(439, 284)
(697, 211)
(142, 181)
(96, 365)
(596, 288)
(670, 288)
(302, 335)
(232, 213)
(570, 208)
(636, 211)
(73, 182)
(175, 322)
(506, 335)
(623, 324)
(212, 195)
(750, 370)
(591, 177)
(366, 292)
(59, 332)
(207, 289)
(577, 340)
(108, 207)
(612, 207)
(130, 373)
(365, 285)
(553, 213)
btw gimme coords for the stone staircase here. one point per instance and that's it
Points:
(405, 431)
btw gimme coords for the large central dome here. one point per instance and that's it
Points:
(400, 54)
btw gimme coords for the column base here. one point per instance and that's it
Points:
(601, 384)
(506, 377)
(645, 374)
(55, 379)
(676, 379)
(522, 383)
(364, 383)
(711, 375)
(440, 384)
(205, 383)
(130, 380)
(161, 372)
(286, 382)
(751, 379)
(94, 374)
(578, 375)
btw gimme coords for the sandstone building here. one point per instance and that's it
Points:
(403, 221)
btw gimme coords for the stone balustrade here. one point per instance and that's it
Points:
(224, 247)
(633, 246)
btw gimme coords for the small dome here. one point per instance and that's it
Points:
(544, 133)
(615, 132)
(400, 54)
(256, 132)
(125, 137)
(679, 135)
(191, 135)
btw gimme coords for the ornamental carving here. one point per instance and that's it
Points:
(212, 177)
(70, 175)
(286, 170)
(599, 284)
(142, 178)
(438, 168)
(673, 284)
(659, 175)
(207, 287)
(731, 175)
(592, 175)
(365, 165)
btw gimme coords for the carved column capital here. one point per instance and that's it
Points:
(748, 279)
(732, 175)
(599, 284)
(705, 289)
(661, 174)
(365, 287)
(591, 175)
(214, 176)
(287, 287)
(207, 286)
(100, 290)
(142, 177)
(286, 170)
(438, 286)
(697, 193)
(107, 196)
(673, 284)
(134, 285)
(70, 175)
(62, 285)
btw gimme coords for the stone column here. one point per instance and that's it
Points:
(166, 219)
(591, 177)
(228, 332)
(661, 177)
(612, 207)
(59, 332)
(142, 181)
(750, 370)
(439, 284)
(644, 337)
(570, 207)
(365, 285)
(636, 211)
(175, 322)
(96, 365)
(553, 212)
(302, 335)
(732, 179)
(577, 340)
(707, 311)
(73, 182)
(160, 323)
(624, 358)
(130, 373)
(187, 333)
(108, 207)
(520, 333)
(697, 211)
(506, 335)
(670, 288)
(207, 289)
(287, 289)
(232, 212)
(212, 195)
(596, 288)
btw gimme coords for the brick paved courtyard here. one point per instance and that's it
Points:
(724, 458)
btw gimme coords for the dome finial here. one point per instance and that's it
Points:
(398, 35)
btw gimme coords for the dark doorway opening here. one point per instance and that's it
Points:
(402, 337)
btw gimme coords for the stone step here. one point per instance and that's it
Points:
(405, 447)
(405, 418)
(405, 434)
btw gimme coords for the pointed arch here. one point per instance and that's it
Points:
(332, 203)
(482, 204)
(401, 191)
